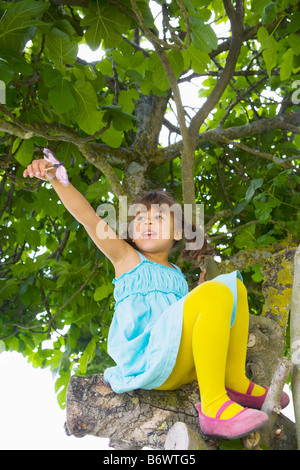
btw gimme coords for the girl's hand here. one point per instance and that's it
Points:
(202, 277)
(38, 169)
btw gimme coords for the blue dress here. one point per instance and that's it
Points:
(145, 332)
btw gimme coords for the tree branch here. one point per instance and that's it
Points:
(58, 132)
(236, 20)
(271, 404)
(13, 129)
(142, 418)
(188, 149)
(267, 156)
(287, 122)
(295, 341)
(153, 38)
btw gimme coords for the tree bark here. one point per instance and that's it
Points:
(266, 344)
(143, 418)
(130, 420)
(271, 404)
(295, 341)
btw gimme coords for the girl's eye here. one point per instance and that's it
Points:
(142, 217)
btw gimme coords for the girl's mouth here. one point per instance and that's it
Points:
(149, 234)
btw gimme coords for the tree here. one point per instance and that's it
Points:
(114, 122)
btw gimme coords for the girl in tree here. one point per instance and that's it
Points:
(162, 336)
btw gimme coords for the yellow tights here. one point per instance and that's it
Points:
(210, 351)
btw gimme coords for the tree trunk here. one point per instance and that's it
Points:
(143, 418)
(295, 342)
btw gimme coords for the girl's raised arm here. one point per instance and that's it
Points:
(104, 237)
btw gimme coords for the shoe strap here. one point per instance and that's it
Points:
(223, 408)
(250, 388)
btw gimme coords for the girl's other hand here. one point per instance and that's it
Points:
(38, 169)
(202, 276)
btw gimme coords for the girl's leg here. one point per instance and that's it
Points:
(204, 345)
(235, 376)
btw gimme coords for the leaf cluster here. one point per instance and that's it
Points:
(99, 116)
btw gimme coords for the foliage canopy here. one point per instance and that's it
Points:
(122, 123)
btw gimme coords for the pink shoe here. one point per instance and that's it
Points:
(246, 399)
(238, 426)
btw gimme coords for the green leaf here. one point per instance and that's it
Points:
(270, 47)
(6, 73)
(255, 184)
(105, 67)
(2, 346)
(159, 78)
(102, 292)
(282, 179)
(61, 97)
(245, 238)
(61, 385)
(27, 233)
(257, 275)
(270, 13)
(266, 240)
(8, 288)
(112, 137)
(263, 208)
(258, 6)
(199, 59)
(88, 355)
(144, 7)
(61, 49)
(293, 25)
(294, 42)
(234, 444)
(94, 189)
(18, 22)
(73, 335)
(203, 36)
(25, 151)
(105, 22)
(286, 65)
(89, 118)
(176, 61)
(16, 61)
(126, 100)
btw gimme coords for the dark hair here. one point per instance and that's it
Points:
(161, 197)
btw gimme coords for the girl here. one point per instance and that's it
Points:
(162, 336)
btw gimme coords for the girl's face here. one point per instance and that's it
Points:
(153, 229)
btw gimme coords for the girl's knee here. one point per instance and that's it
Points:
(212, 289)
(241, 289)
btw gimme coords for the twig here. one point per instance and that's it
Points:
(271, 404)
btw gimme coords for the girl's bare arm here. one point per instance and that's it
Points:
(104, 237)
